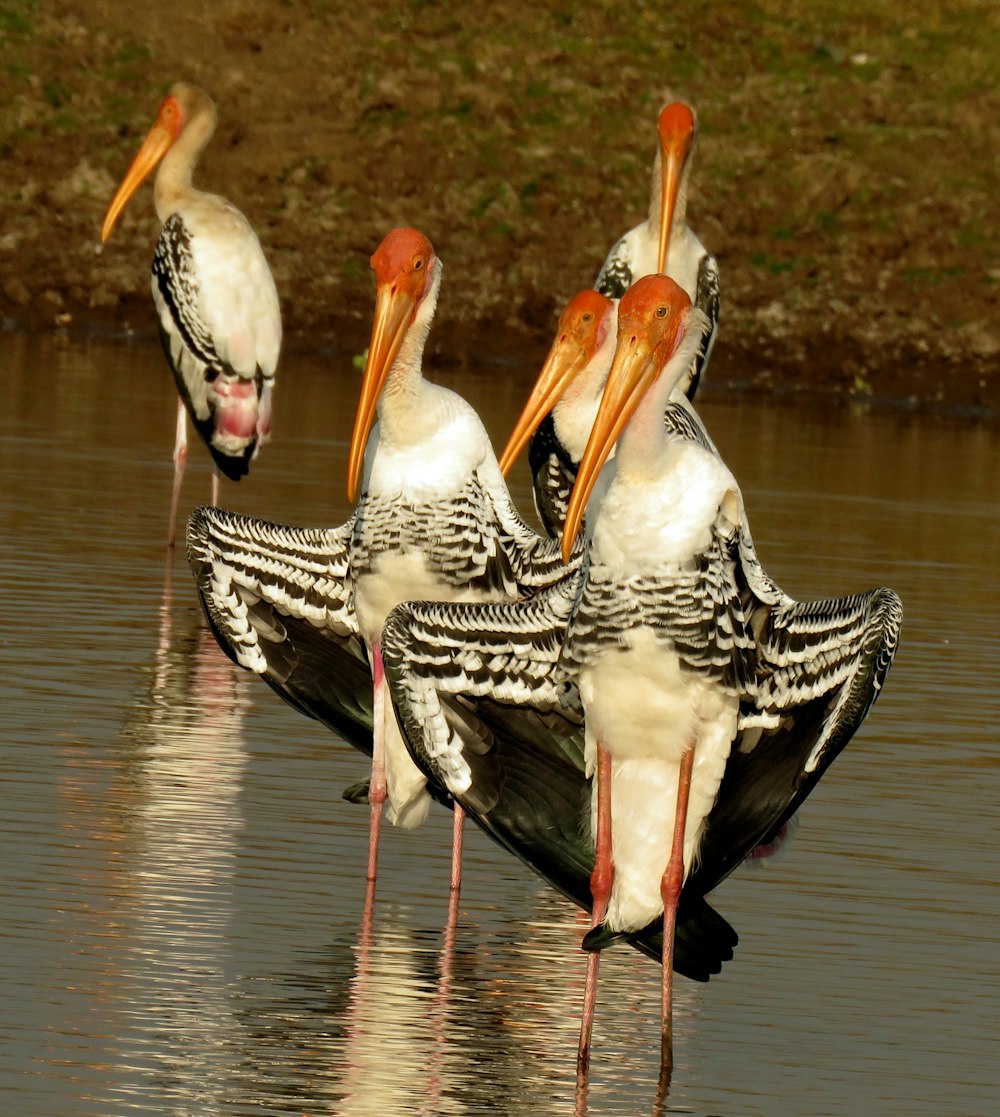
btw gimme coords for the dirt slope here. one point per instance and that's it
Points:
(846, 175)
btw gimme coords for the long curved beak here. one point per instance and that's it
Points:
(633, 370)
(154, 147)
(673, 156)
(394, 310)
(565, 360)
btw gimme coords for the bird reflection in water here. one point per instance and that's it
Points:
(184, 771)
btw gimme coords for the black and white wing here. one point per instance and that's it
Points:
(707, 300)
(279, 600)
(616, 274)
(486, 709)
(445, 660)
(553, 474)
(535, 560)
(220, 327)
(821, 666)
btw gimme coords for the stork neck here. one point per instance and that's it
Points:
(574, 413)
(405, 382)
(644, 441)
(173, 179)
(405, 377)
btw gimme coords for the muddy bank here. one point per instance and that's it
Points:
(840, 177)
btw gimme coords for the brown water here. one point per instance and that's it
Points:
(182, 884)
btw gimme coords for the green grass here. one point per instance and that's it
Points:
(17, 17)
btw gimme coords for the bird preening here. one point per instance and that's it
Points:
(625, 701)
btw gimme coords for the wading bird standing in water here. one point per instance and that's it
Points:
(669, 643)
(434, 520)
(217, 305)
(713, 702)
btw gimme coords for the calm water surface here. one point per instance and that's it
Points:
(182, 883)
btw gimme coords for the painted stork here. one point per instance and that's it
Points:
(215, 298)
(663, 242)
(660, 643)
(708, 693)
(305, 607)
(435, 520)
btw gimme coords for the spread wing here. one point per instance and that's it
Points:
(279, 601)
(487, 710)
(821, 666)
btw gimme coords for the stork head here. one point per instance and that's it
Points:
(676, 128)
(583, 327)
(404, 265)
(182, 104)
(651, 317)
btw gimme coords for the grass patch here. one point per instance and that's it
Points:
(17, 18)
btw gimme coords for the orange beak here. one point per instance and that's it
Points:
(395, 307)
(156, 144)
(649, 330)
(566, 359)
(583, 327)
(676, 132)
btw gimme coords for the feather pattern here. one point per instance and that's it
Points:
(554, 464)
(225, 374)
(553, 471)
(707, 298)
(177, 294)
(694, 610)
(472, 539)
(479, 687)
(507, 652)
(278, 600)
(804, 674)
(243, 564)
(616, 274)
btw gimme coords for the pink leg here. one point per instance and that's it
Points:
(454, 892)
(670, 889)
(457, 832)
(600, 889)
(180, 458)
(376, 791)
(215, 487)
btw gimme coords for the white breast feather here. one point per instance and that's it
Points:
(238, 301)
(429, 450)
(648, 710)
(642, 526)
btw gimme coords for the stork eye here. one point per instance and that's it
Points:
(661, 312)
(418, 263)
(588, 317)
